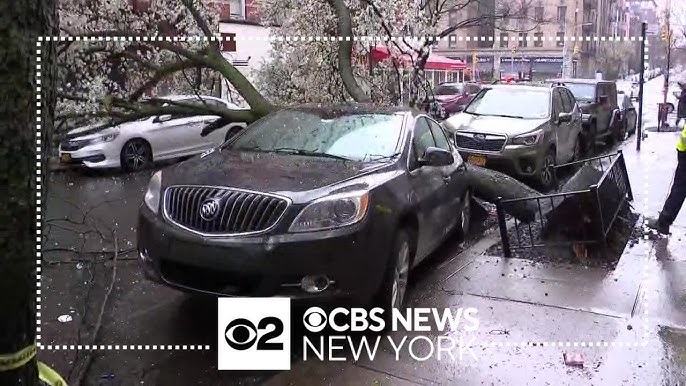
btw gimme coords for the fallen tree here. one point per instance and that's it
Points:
(491, 185)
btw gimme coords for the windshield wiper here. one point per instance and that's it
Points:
(310, 153)
(379, 157)
(506, 116)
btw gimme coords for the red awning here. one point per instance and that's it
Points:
(434, 62)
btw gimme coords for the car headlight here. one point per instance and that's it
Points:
(331, 212)
(109, 136)
(152, 195)
(529, 139)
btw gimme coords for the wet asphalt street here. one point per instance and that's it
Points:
(89, 216)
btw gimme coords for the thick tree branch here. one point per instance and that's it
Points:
(345, 49)
(202, 23)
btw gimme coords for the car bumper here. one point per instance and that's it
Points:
(353, 259)
(520, 161)
(96, 156)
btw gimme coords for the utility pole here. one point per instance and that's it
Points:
(641, 79)
(668, 38)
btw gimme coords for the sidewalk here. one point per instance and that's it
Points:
(629, 323)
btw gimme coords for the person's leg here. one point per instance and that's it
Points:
(677, 195)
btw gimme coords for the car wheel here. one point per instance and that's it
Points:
(591, 137)
(546, 176)
(232, 132)
(465, 216)
(578, 151)
(392, 292)
(136, 155)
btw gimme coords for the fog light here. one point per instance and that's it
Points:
(529, 169)
(314, 284)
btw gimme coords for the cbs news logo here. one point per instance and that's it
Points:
(254, 334)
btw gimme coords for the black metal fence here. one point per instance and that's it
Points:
(606, 197)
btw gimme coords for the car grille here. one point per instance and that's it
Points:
(486, 144)
(72, 145)
(222, 211)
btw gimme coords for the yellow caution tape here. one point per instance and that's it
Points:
(17, 359)
(49, 376)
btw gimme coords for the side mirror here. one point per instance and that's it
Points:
(434, 156)
(564, 118)
(163, 118)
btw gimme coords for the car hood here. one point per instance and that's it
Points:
(90, 132)
(491, 125)
(447, 98)
(266, 172)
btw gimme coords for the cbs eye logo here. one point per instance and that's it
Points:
(242, 334)
(315, 319)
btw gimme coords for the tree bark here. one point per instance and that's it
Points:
(490, 185)
(21, 22)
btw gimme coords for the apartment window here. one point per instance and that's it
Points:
(562, 15)
(538, 39)
(452, 41)
(522, 39)
(538, 14)
(228, 42)
(504, 38)
(237, 9)
(560, 39)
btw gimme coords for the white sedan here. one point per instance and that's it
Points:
(134, 145)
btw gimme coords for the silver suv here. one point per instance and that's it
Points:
(520, 130)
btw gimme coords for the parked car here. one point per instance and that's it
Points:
(629, 88)
(307, 202)
(601, 114)
(629, 116)
(521, 130)
(134, 145)
(453, 97)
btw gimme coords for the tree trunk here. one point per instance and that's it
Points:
(21, 22)
(490, 185)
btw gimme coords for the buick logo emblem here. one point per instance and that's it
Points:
(209, 209)
(480, 137)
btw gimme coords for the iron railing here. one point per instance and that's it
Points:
(607, 196)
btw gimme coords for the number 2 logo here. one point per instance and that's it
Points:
(241, 334)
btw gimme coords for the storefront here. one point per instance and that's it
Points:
(546, 67)
(484, 67)
(515, 67)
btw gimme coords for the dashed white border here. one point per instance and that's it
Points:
(273, 38)
(138, 347)
(645, 275)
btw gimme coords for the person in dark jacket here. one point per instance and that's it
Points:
(681, 107)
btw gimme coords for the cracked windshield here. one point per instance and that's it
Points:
(334, 192)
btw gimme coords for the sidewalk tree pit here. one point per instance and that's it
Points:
(588, 220)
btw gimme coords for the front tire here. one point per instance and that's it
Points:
(465, 216)
(391, 295)
(546, 176)
(136, 155)
(232, 132)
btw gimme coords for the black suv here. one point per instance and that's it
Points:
(601, 115)
(307, 202)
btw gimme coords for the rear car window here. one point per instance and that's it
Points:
(449, 89)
